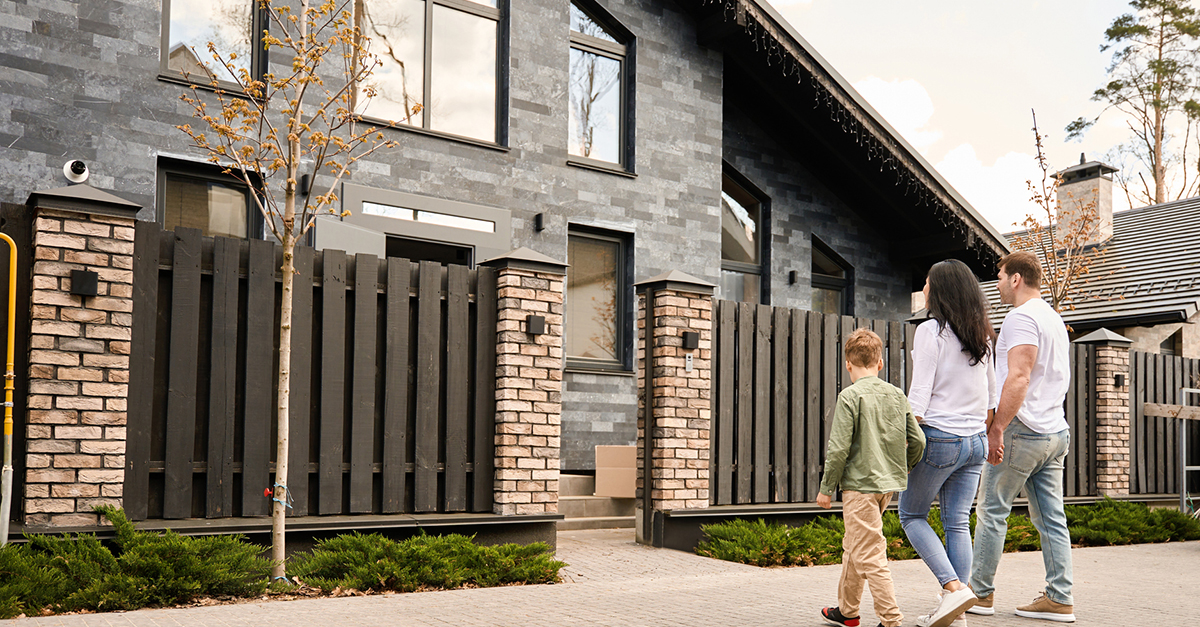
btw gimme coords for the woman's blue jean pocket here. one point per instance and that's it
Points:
(942, 452)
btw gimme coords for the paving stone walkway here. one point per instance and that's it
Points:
(613, 581)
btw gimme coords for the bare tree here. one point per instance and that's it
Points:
(1061, 233)
(267, 129)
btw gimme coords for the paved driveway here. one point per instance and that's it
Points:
(613, 581)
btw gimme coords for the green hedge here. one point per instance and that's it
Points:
(67, 573)
(1107, 522)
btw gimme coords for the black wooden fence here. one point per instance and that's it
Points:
(392, 393)
(1154, 441)
(777, 373)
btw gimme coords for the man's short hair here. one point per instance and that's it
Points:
(1025, 264)
(863, 348)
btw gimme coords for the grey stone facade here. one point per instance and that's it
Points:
(80, 80)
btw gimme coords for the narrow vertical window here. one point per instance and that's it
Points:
(741, 243)
(230, 25)
(438, 65)
(832, 281)
(598, 91)
(595, 301)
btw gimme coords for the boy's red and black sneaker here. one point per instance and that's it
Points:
(833, 616)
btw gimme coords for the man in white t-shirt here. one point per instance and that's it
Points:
(1027, 441)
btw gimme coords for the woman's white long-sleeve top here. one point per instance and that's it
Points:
(947, 392)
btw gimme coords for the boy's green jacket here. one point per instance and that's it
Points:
(874, 440)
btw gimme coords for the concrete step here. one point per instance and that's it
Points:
(576, 485)
(599, 522)
(594, 506)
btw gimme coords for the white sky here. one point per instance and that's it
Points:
(958, 80)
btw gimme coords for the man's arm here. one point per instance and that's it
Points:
(1020, 364)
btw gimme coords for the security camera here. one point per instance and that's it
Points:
(76, 171)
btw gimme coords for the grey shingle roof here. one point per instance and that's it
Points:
(1149, 274)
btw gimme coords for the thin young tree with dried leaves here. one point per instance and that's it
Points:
(1061, 233)
(303, 117)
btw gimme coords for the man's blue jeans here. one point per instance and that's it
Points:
(1033, 461)
(950, 471)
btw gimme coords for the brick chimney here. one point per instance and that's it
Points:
(1082, 187)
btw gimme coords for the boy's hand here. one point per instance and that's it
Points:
(824, 501)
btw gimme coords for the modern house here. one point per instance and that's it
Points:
(627, 138)
(1145, 285)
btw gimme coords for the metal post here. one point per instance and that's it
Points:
(9, 375)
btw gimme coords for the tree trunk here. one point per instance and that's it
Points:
(279, 509)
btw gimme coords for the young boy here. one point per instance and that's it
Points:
(873, 442)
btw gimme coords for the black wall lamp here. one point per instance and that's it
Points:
(792, 277)
(691, 340)
(539, 222)
(1119, 379)
(84, 283)
(535, 325)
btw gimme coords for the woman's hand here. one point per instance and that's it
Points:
(995, 447)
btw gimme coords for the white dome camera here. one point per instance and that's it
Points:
(76, 171)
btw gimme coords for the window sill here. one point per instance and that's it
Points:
(478, 143)
(589, 369)
(600, 166)
(231, 89)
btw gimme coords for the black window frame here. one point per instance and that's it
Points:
(624, 52)
(255, 224)
(762, 229)
(259, 21)
(624, 305)
(499, 14)
(823, 281)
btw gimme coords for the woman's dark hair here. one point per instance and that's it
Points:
(956, 299)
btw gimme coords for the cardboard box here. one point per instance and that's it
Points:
(616, 471)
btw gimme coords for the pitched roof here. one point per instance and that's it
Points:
(1149, 274)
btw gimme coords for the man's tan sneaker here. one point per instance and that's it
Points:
(1046, 609)
(984, 606)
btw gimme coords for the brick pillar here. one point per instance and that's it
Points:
(529, 367)
(676, 396)
(79, 356)
(1112, 426)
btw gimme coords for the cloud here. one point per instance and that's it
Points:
(906, 106)
(997, 191)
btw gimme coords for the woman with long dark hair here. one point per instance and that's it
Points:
(953, 394)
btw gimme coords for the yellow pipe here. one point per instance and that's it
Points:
(9, 375)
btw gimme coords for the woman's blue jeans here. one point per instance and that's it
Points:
(950, 471)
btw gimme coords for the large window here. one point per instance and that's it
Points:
(596, 300)
(599, 116)
(832, 281)
(439, 65)
(200, 196)
(741, 243)
(231, 25)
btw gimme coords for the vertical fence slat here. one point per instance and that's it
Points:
(362, 394)
(1071, 404)
(813, 415)
(429, 349)
(181, 391)
(1160, 436)
(1137, 423)
(333, 381)
(1093, 407)
(745, 400)
(847, 327)
(910, 332)
(831, 367)
(485, 389)
(726, 379)
(895, 354)
(222, 397)
(1174, 382)
(300, 400)
(797, 363)
(457, 386)
(762, 404)
(396, 372)
(141, 369)
(779, 435)
(260, 360)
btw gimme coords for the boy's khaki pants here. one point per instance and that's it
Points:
(864, 557)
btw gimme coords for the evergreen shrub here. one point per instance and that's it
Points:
(375, 563)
